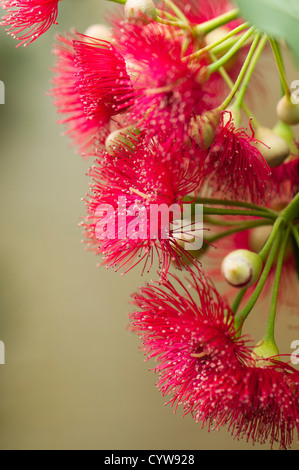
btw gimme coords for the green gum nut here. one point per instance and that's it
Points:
(241, 268)
(203, 128)
(126, 137)
(287, 111)
(265, 349)
(140, 10)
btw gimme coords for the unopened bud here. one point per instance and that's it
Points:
(233, 114)
(241, 268)
(273, 147)
(99, 31)
(287, 111)
(264, 350)
(202, 128)
(126, 137)
(140, 10)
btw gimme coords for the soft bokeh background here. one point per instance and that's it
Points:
(74, 378)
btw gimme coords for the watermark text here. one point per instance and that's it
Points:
(183, 223)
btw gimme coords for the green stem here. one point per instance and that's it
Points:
(263, 253)
(230, 84)
(221, 41)
(167, 15)
(280, 66)
(241, 75)
(177, 11)
(291, 212)
(243, 314)
(220, 222)
(286, 216)
(281, 60)
(238, 300)
(233, 203)
(269, 335)
(177, 24)
(295, 234)
(267, 246)
(237, 229)
(249, 213)
(227, 44)
(242, 90)
(222, 61)
(208, 26)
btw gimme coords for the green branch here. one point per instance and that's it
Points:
(269, 335)
(243, 314)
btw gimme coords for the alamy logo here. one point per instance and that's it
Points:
(295, 93)
(295, 354)
(155, 221)
(2, 92)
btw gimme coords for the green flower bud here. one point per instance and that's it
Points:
(127, 137)
(263, 350)
(241, 268)
(287, 111)
(202, 129)
(140, 10)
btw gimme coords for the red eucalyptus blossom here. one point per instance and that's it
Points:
(170, 91)
(127, 191)
(205, 367)
(27, 20)
(199, 11)
(103, 82)
(235, 167)
(285, 178)
(84, 132)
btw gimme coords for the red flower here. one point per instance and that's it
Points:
(265, 404)
(170, 92)
(128, 191)
(199, 11)
(29, 19)
(103, 82)
(285, 178)
(210, 371)
(87, 134)
(235, 167)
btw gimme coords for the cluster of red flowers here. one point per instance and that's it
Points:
(145, 105)
(208, 368)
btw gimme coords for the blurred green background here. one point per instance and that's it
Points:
(74, 377)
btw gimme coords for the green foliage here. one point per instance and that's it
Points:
(278, 18)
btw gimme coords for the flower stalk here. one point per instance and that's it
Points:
(269, 335)
(208, 26)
